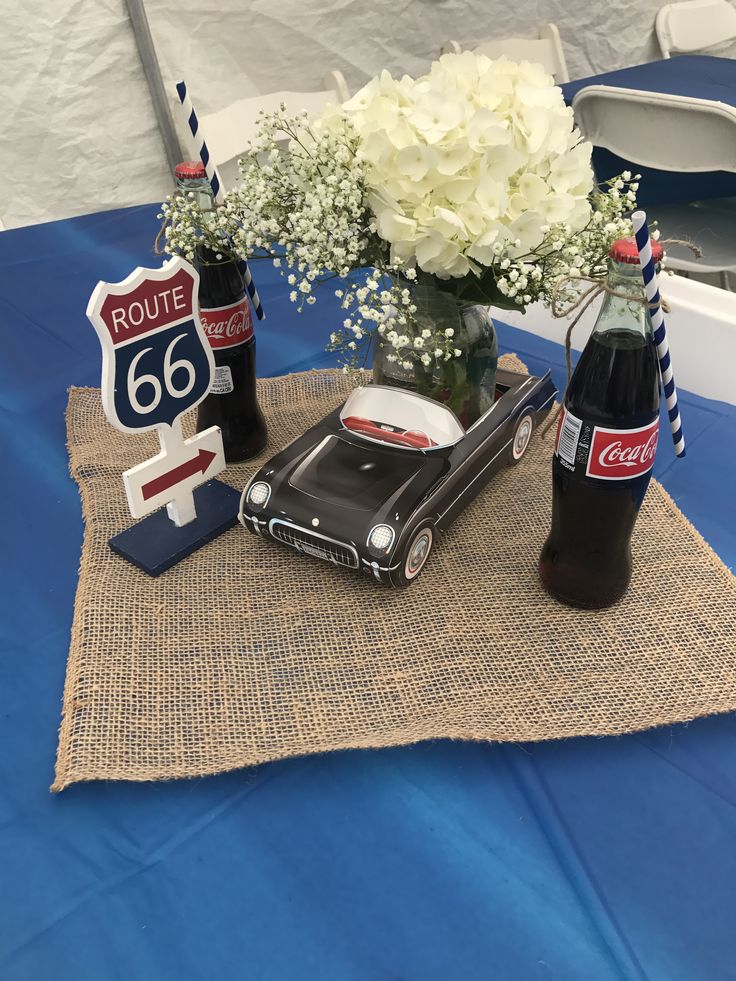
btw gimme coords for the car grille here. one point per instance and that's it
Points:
(313, 544)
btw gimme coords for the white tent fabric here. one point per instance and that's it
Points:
(80, 133)
(80, 130)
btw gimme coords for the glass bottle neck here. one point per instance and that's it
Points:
(624, 309)
(200, 188)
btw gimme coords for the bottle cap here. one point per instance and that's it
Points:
(625, 250)
(189, 170)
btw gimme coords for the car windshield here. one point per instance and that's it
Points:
(362, 478)
(393, 415)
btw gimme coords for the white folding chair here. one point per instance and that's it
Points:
(545, 50)
(228, 131)
(673, 133)
(701, 321)
(695, 25)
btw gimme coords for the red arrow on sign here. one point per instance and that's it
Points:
(198, 464)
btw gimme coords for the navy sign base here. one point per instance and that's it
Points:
(155, 543)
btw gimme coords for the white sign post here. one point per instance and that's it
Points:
(157, 364)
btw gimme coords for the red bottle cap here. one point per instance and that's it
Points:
(624, 250)
(190, 170)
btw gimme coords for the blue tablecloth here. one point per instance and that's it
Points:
(694, 76)
(585, 860)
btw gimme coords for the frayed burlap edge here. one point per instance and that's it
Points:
(68, 771)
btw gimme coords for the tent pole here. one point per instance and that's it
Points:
(152, 71)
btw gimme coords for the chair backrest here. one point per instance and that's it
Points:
(701, 321)
(546, 50)
(651, 129)
(695, 25)
(228, 131)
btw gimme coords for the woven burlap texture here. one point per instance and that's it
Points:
(248, 651)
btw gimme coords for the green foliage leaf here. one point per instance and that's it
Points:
(482, 289)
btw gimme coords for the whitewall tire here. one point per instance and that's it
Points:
(522, 436)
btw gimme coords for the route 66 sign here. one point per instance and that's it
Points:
(156, 360)
(156, 364)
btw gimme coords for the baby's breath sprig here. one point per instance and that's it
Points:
(187, 226)
(301, 193)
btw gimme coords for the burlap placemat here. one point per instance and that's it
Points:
(248, 652)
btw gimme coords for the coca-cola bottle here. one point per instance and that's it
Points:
(606, 442)
(232, 403)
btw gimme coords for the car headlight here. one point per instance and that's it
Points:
(259, 494)
(381, 538)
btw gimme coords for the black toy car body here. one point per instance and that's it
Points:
(372, 484)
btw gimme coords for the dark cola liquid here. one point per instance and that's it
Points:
(586, 560)
(236, 411)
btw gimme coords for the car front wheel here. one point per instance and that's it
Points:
(415, 554)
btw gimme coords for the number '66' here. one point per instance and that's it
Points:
(135, 384)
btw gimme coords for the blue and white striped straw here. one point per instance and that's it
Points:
(204, 155)
(651, 289)
(251, 287)
(199, 144)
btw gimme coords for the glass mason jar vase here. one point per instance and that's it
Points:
(467, 383)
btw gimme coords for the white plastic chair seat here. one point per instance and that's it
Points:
(655, 129)
(672, 133)
(229, 131)
(545, 50)
(695, 25)
(711, 225)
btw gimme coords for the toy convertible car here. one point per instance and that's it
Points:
(371, 485)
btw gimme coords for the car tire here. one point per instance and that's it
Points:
(522, 436)
(415, 554)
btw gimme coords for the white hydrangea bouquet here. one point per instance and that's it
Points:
(467, 186)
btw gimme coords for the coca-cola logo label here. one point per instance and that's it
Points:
(227, 326)
(620, 454)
